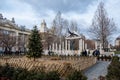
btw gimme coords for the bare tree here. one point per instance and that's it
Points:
(65, 27)
(8, 41)
(74, 26)
(21, 43)
(59, 26)
(102, 26)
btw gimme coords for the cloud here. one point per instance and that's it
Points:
(32, 12)
(29, 12)
(60, 5)
(113, 11)
(22, 12)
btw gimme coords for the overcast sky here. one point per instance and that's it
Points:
(32, 12)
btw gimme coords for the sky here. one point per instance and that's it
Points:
(32, 12)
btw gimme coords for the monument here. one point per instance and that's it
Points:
(64, 48)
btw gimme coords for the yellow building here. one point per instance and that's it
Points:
(17, 35)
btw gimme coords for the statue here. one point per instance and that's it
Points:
(73, 33)
(13, 20)
(1, 16)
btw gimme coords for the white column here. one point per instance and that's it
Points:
(62, 45)
(50, 47)
(85, 45)
(66, 45)
(100, 48)
(81, 46)
(69, 45)
(69, 51)
(17, 34)
(96, 44)
(63, 48)
(24, 42)
(108, 46)
(60, 48)
(56, 48)
(53, 47)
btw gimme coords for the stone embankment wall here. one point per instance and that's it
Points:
(61, 64)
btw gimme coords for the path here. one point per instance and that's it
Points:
(100, 68)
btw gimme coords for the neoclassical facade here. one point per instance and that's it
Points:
(66, 47)
(18, 35)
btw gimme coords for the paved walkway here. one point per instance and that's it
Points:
(100, 68)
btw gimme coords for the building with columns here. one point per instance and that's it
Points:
(18, 35)
(66, 46)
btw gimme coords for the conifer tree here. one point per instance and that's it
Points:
(35, 45)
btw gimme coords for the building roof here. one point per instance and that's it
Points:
(11, 24)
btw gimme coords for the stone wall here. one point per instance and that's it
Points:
(62, 64)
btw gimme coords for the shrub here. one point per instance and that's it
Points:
(12, 73)
(6, 71)
(23, 75)
(76, 75)
(114, 69)
(53, 75)
(39, 76)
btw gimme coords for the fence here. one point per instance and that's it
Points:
(62, 64)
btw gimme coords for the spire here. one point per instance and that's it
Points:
(43, 27)
(1, 16)
(43, 23)
(13, 20)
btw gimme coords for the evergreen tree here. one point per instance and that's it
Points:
(35, 45)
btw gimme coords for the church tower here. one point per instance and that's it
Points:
(43, 27)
